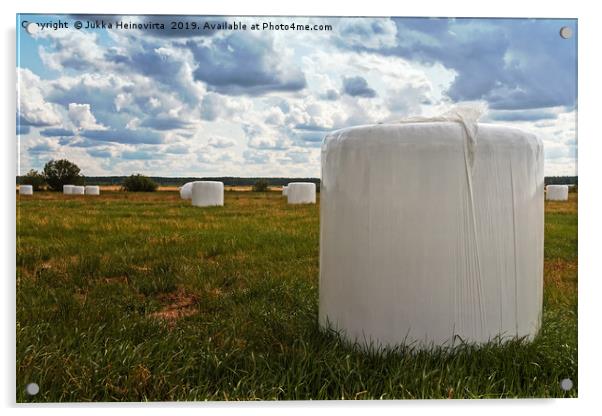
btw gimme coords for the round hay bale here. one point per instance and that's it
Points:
(67, 189)
(301, 193)
(207, 193)
(78, 190)
(186, 190)
(284, 190)
(26, 189)
(92, 190)
(557, 192)
(428, 235)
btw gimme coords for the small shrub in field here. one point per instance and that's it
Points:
(33, 178)
(260, 186)
(62, 172)
(139, 183)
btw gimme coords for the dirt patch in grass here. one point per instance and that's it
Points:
(176, 305)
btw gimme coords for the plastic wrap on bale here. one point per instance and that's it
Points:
(301, 193)
(557, 192)
(186, 191)
(431, 233)
(92, 190)
(26, 189)
(67, 189)
(78, 190)
(207, 193)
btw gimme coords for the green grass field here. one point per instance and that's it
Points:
(130, 297)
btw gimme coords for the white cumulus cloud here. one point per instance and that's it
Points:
(32, 105)
(81, 116)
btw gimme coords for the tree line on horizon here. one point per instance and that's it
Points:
(57, 173)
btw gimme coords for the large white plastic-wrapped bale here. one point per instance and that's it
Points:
(92, 190)
(67, 189)
(301, 193)
(557, 192)
(431, 230)
(207, 193)
(186, 190)
(78, 190)
(26, 189)
(284, 190)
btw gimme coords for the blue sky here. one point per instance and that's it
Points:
(258, 103)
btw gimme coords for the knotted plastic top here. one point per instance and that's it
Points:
(467, 115)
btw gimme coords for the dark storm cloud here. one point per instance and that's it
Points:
(244, 64)
(357, 87)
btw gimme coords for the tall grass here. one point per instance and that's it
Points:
(128, 297)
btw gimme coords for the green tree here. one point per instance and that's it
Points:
(62, 172)
(260, 186)
(139, 183)
(33, 178)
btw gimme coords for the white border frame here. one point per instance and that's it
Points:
(589, 151)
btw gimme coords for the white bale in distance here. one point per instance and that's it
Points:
(557, 192)
(77, 190)
(92, 190)
(207, 193)
(67, 189)
(186, 190)
(429, 232)
(284, 190)
(26, 189)
(301, 193)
